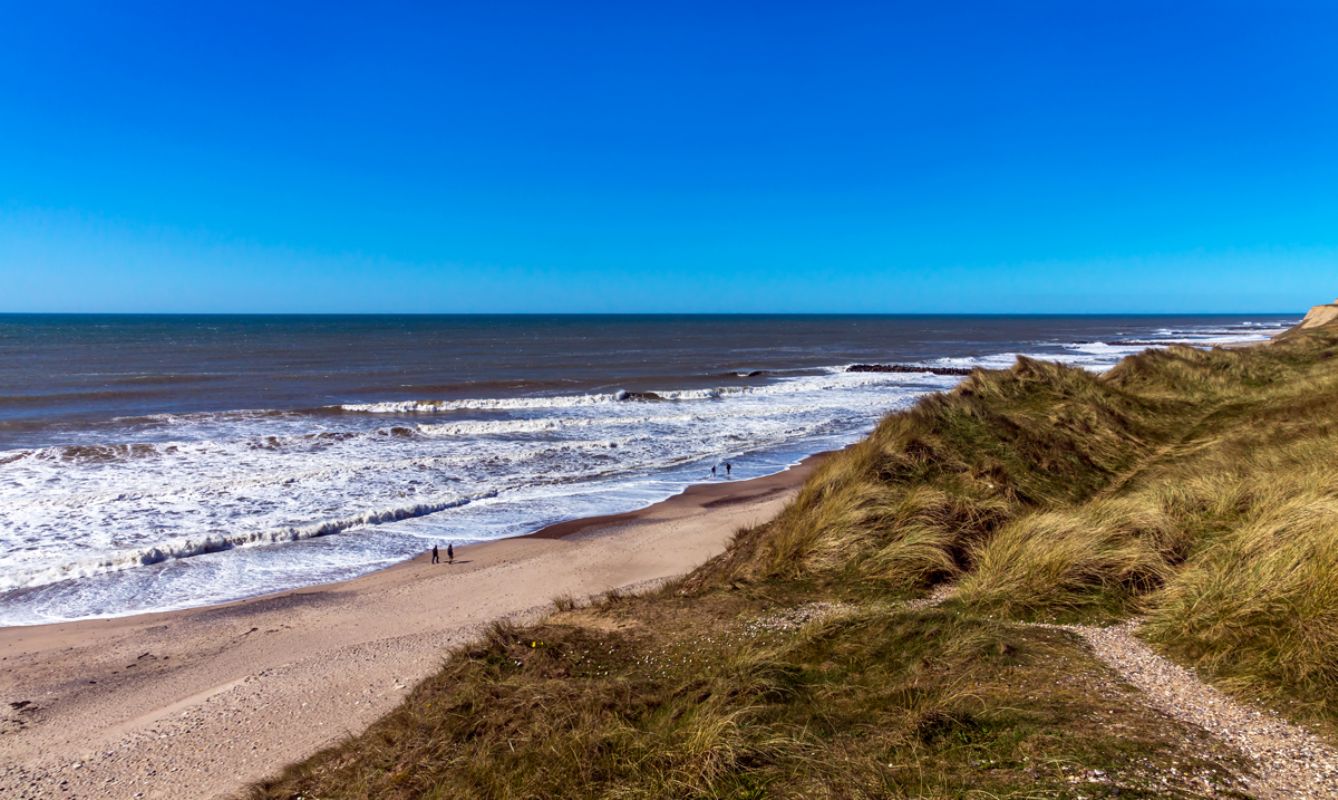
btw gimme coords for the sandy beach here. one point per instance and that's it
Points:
(200, 702)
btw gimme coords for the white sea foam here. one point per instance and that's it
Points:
(214, 543)
(833, 378)
(546, 425)
(480, 404)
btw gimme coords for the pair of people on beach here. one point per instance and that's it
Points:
(450, 554)
(728, 469)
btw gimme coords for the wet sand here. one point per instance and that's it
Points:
(200, 702)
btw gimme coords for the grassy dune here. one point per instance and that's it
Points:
(1197, 489)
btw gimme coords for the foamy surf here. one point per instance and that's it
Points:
(833, 378)
(217, 543)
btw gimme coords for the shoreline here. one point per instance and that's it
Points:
(206, 699)
(708, 495)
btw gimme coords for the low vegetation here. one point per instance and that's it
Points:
(1195, 489)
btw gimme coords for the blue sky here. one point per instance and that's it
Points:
(880, 157)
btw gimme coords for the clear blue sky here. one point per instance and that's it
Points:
(826, 156)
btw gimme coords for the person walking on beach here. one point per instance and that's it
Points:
(728, 469)
(450, 553)
(712, 470)
(436, 559)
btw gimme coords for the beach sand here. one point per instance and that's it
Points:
(198, 703)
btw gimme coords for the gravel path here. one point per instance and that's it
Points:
(1290, 762)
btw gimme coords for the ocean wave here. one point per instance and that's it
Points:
(832, 378)
(1117, 348)
(1112, 350)
(106, 453)
(94, 453)
(507, 427)
(202, 545)
(479, 404)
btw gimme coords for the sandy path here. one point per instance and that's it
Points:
(198, 703)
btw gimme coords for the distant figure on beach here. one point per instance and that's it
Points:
(728, 468)
(450, 553)
(436, 559)
(712, 470)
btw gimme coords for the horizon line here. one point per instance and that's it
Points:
(1296, 313)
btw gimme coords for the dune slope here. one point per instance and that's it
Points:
(906, 626)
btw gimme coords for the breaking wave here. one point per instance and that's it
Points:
(832, 378)
(198, 546)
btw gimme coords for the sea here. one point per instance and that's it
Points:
(156, 462)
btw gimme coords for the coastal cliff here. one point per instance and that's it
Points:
(1320, 315)
(1044, 582)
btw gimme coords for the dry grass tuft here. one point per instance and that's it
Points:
(1257, 606)
(1100, 555)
